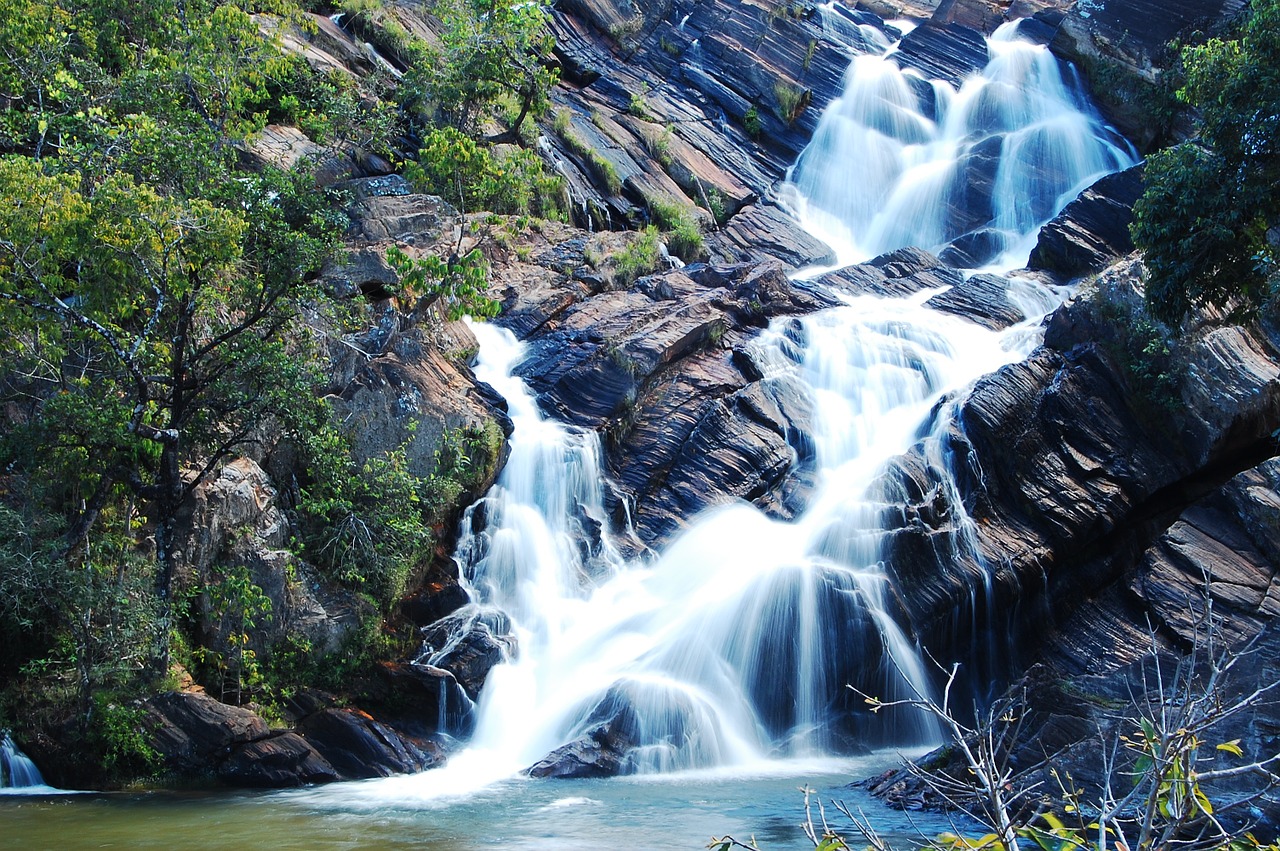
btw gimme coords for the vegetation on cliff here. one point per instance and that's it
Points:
(1207, 221)
(159, 299)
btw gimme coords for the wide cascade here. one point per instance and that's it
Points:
(735, 645)
(971, 172)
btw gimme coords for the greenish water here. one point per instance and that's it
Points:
(679, 812)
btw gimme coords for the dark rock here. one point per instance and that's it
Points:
(1092, 232)
(468, 644)
(364, 272)
(432, 603)
(281, 761)
(753, 444)
(359, 746)
(983, 299)
(765, 230)
(193, 732)
(421, 701)
(950, 52)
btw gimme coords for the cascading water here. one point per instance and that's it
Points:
(734, 646)
(16, 770)
(898, 160)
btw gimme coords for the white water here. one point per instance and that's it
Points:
(17, 772)
(899, 161)
(731, 650)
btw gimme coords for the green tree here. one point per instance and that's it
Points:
(490, 50)
(1203, 220)
(155, 325)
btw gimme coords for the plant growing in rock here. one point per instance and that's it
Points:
(457, 283)
(684, 235)
(792, 100)
(489, 50)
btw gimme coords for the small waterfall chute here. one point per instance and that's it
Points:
(17, 771)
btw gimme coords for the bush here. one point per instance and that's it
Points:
(463, 172)
(641, 257)
(684, 236)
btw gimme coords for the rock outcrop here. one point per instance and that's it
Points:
(1070, 462)
(1092, 232)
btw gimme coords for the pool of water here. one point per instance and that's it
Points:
(670, 812)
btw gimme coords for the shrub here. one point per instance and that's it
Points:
(460, 170)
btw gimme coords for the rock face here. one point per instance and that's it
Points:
(236, 522)
(1093, 231)
(358, 746)
(664, 371)
(198, 738)
(1069, 463)
(1095, 675)
(468, 644)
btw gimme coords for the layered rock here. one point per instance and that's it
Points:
(1091, 232)
(1069, 463)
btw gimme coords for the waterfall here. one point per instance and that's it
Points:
(734, 646)
(971, 173)
(16, 770)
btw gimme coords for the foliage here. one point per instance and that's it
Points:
(751, 122)
(1203, 219)
(641, 256)
(792, 100)
(457, 283)
(238, 605)
(122, 739)
(684, 237)
(489, 50)
(94, 621)
(460, 170)
(362, 524)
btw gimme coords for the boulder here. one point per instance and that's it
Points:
(468, 644)
(420, 701)
(947, 52)
(766, 230)
(983, 299)
(359, 746)
(280, 761)
(193, 733)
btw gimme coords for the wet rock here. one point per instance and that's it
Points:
(468, 644)
(752, 444)
(949, 52)
(1092, 232)
(420, 701)
(765, 230)
(359, 746)
(1066, 471)
(281, 761)
(593, 755)
(983, 299)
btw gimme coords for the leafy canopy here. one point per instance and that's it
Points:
(1204, 218)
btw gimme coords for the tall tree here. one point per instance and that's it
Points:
(489, 50)
(156, 326)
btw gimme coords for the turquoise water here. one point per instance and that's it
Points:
(673, 812)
